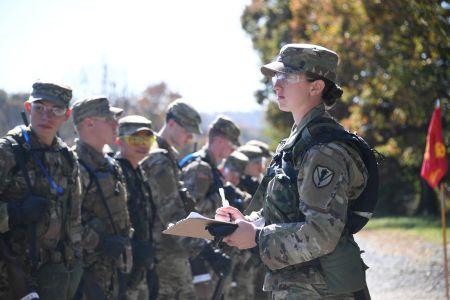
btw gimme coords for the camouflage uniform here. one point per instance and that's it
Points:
(59, 232)
(106, 216)
(330, 176)
(201, 176)
(169, 195)
(203, 180)
(141, 210)
(241, 284)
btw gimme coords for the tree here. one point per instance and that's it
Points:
(394, 63)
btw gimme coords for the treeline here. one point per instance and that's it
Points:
(394, 65)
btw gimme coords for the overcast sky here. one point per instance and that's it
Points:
(196, 46)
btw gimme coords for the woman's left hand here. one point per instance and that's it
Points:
(243, 237)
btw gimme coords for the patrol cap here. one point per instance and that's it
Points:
(225, 127)
(132, 124)
(185, 115)
(96, 106)
(300, 58)
(252, 152)
(261, 145)
(236, 162)
(58, 94)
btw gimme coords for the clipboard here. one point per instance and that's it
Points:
(193, 226)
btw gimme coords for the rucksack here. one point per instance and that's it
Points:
(326, 130)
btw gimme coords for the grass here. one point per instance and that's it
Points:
(426, 227)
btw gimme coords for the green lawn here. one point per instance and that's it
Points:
(425, 227)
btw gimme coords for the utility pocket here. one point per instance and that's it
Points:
(343, 269)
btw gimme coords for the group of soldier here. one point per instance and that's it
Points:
(84, 223)
(80, 223)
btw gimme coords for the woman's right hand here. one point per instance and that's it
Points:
(228, 214)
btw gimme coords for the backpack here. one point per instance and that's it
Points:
(326, 130)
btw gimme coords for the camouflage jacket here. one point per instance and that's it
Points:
(199, 180)
(161, 171)
(140, 204)
(323, 200)
(94, 213)
(61, 223)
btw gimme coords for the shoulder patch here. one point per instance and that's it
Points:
(322, 176)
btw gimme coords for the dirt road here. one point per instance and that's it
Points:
(402, 266)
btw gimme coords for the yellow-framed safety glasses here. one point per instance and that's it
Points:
(138, 140)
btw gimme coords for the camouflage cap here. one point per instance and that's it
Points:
(263, 146)
(185, 115)
(236, 162)
(59, 94)
(252, 152)
(300, 58)
(129, 125)
(225, 127)
(94, 107)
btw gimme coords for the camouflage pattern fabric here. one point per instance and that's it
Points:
(140, 209)
(95, 218)
(329, 176)
(61, 224)
(161, 171)
(198, 179)
(300, 58)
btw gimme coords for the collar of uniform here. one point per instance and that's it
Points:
(36, 144)
(315, 112)
(91, 156)
(163, 144)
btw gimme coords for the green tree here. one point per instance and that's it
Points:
(394, 63)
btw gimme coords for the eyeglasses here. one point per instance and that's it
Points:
(55, 110)
(138, 140)
(287, 78)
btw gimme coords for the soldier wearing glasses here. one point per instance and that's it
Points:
(40, 244)
(305, 242)
(105, 219)
(134, 141)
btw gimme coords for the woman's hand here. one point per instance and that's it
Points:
(243, 237)
(228, 214)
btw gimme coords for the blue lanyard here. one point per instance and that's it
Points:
(59, 190)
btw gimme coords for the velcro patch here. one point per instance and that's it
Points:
(322, 176)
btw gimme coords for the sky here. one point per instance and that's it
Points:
(197, 47)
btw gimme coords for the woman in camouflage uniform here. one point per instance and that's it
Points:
(305, 243)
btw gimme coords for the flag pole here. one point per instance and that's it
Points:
(444, 238)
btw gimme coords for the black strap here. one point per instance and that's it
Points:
(94, 178)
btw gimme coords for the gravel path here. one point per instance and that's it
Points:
(402, 266)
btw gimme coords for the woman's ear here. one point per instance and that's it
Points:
(317, 87)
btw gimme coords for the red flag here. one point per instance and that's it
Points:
(434, 165)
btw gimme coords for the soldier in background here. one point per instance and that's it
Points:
(106, 224)
(134, 141)
(200, 173)
(40, 243)
(203, 180)
(173, 202)
(253, 170)
(242, 276)
(305, 243)
(261, 145)
(250, 181)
